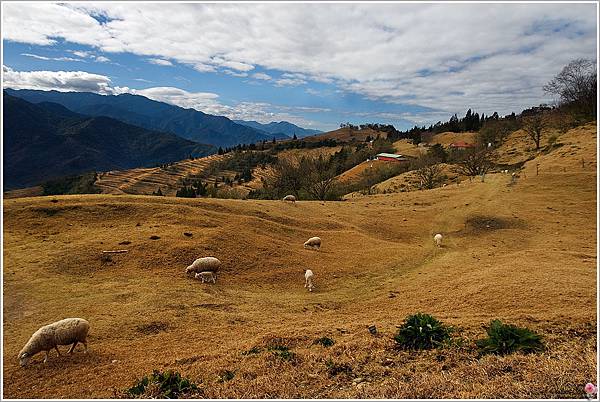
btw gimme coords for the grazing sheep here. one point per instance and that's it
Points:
(313, 242)
(438, 240)
(206, 276)
(204, 264)
(63, 332)
(290, 198)
(308, 280)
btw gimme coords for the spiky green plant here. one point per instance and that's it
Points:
(505, 338)
(422, 331)
(169, 385)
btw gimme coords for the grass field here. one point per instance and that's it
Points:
(522, 253)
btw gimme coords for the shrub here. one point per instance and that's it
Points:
(324, 341)
(422, 331)
(283, 352)
(505, 338)
(82, 184)
(163, 385)
(334, 369)
(254, 351)
(226, 375)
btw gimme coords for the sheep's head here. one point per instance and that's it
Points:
(24, 358)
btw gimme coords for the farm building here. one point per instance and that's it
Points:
(461, 145)
(391, 157)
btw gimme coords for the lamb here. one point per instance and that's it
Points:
(63, 332)
(313, 242)
(290, 198)
(206, 276)
(204, 264)
(308, 280)
(438, 240)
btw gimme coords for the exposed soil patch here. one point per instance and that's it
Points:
(482, 223)
(152, 328)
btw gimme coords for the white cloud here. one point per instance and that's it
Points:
(81, 53)
(143, 80)
(289, 82)
(102, 59)
(235, 73)
(36, 56)
(63, 81)
(159, 62)
(261, 76)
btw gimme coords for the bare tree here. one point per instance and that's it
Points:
(429, 172)
(285, 177)
(575, 85)
(319, 177)
(474, 162)
(534, 127)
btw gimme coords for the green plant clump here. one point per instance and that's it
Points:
(505, 338)
(324, 341)
(422, 331)
(162, 385)
(283, 352)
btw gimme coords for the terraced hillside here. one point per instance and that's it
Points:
(145, 181)
(524, 253)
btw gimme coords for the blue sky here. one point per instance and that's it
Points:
(315, 65)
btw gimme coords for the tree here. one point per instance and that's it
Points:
(495, 131)
(429, 172)
(575, 86)
(295, 138)
(438, 152)
(474, 162)
(319, 179)
(534, 126)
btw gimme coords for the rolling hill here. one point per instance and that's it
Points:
(190, 124)
(46, 141)
(524, 253)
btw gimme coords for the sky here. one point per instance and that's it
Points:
(315, 65)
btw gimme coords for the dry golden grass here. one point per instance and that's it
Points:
(406, 147)
(355, 173)
(347, 135)
(446, 138)
(535, 265)
(24, 192)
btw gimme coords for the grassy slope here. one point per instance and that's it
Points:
(535, 265)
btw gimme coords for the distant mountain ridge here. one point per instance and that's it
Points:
(46, 140)
(137, 110)
(284, 128)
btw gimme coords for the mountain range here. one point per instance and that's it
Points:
(140, 111)
(283, 129)
(46, 140)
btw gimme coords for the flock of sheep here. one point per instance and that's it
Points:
(72, 331)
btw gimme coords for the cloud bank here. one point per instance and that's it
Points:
(495, 57)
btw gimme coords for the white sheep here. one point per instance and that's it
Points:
(308, 280)
(206, 276)
(64, 332)
(290, 198)
(438, 240)
(204, 264)
(313, 242)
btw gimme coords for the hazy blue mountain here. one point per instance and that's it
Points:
(282, 128)
(152, 115)
(45, 140)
